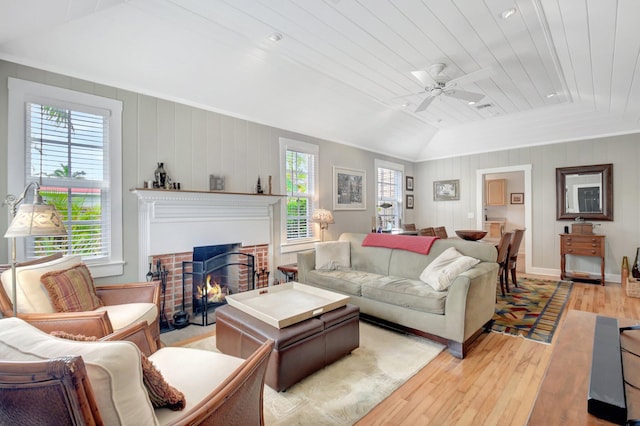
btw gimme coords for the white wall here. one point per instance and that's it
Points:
(623, 233)
(194, 143)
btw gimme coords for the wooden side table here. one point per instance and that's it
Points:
(581, 245)
(290, 271)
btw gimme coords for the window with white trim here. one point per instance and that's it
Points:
(389, 194)
(299, 179)
(68, 147)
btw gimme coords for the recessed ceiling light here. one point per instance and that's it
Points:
(275, 37)
(406, 104)
(508, 13)
(550, 95)
(471, 103)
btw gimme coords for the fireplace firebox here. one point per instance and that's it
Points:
(215, 272)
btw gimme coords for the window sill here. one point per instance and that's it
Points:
(106, 269)
(294, 247)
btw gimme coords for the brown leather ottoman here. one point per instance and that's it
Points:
(300, 349)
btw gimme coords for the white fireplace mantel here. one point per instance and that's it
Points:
(177, 221)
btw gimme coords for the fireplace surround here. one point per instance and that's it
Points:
(171, 223)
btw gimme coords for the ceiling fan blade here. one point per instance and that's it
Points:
(423, 77)
(471, 77)
(424, 104)
(463, 94)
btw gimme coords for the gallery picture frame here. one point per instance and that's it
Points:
(409, 201)
(446, 190)
(349, 189)
(517, 198)
(409, 183)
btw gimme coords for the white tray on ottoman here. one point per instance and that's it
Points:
(287, 303)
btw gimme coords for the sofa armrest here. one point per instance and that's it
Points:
(118, 294)
(471, 301)
(137, 333)
(306, 263)
(87, 323)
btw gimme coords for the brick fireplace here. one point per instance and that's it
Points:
(172, 223)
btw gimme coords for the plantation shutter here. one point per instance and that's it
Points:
(300, 179)
(67, 153)
(389, 190)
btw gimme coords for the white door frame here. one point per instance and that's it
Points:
(526, 168)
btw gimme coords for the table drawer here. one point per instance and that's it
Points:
(581, 245)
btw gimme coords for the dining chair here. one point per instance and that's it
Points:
(428, 232)
(441, 232)
(513, 254)
(503, 260)
(409, 227)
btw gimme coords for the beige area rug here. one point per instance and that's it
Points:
(345, 391)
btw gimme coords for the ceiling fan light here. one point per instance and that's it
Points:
(508, 13)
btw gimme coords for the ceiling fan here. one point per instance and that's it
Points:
(436, 84)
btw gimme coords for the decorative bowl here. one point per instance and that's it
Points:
(471, 234)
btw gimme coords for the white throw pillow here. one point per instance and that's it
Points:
(440, 273)
(333, 255)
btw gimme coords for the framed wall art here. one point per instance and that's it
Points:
(349, 189)
(446, 190)
(409, 183)
(409, 201)
(517, 198)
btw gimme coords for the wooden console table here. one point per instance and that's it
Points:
(562, 397)
(581, 245)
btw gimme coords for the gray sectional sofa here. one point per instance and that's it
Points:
(385, 283)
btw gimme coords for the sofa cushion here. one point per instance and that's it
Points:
(440, 273)
(32, 296)
(113, 368)
(412, 294)
(126, 314)
(346, 282)
(71, 290)
(369, 259)
(332, 255)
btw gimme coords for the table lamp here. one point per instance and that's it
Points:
(30, 220)
(324, 218)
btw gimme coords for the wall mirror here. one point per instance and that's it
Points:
(584, 192)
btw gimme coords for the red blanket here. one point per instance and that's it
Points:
(416, 244)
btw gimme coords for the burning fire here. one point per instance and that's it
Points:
(213, 292)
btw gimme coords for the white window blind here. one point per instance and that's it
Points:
(300, 181)
(389, 196)
(67, 152)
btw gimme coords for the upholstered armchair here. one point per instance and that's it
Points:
(123, 304)
(50, 380)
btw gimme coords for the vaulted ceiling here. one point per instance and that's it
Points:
(556, 70)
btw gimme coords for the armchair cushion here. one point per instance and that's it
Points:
(113, 368)
(161, 393)
(71, 290)
(32, 296)
(126, 314)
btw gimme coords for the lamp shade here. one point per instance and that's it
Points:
(322, 216)
(37, 220)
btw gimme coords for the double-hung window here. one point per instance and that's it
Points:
(67, 146)
(389, 205)
(299, 179)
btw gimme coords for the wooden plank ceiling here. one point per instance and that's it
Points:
(561, 69)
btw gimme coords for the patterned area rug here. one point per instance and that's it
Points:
(531, 310)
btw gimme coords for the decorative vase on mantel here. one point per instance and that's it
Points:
(635, 272)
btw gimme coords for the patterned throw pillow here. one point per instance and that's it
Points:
(71, 290)
(161, 393)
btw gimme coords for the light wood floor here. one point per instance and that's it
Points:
(498, 380)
